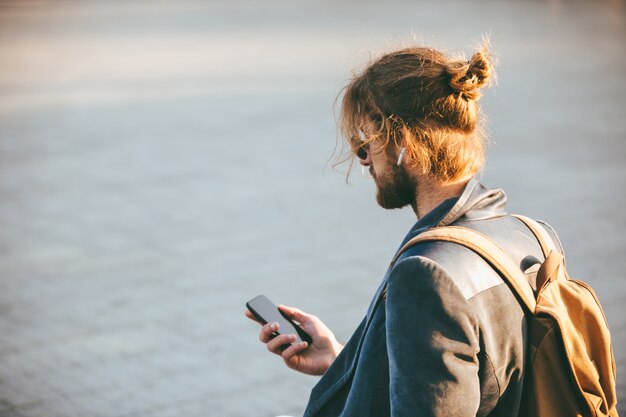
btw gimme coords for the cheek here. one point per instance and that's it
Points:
(380, 163)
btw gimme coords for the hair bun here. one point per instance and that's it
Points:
(467, 77)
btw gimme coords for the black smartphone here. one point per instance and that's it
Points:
(267, 312)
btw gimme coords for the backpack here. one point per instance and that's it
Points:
(570, 367)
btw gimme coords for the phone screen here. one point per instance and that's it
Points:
(267, 312)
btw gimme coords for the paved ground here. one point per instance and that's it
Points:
(161, 163)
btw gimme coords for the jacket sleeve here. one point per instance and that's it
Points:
(432, 342)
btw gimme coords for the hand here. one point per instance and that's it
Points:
(312, 360)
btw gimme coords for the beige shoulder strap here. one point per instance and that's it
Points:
(484, 247)
(546, 242)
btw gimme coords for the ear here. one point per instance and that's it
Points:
(401, 151)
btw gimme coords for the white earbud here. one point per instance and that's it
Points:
(400, 156)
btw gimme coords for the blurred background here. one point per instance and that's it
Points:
(161, 163)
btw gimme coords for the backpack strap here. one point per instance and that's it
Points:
(554, 264)
(545, 241)
(487, 249)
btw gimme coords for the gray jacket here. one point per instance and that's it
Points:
(449, 337)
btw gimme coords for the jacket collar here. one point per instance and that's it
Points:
(476, 202)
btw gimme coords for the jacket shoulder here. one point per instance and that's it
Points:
(467, 270)
(470, 272)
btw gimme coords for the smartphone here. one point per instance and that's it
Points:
(267, 312)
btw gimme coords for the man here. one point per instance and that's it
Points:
(444, 334)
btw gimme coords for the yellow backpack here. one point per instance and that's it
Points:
(570, 367)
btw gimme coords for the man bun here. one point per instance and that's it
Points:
(468, 77)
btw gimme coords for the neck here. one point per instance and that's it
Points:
(429, 193)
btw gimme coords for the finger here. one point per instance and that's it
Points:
(295, 313)
(267, 332)
(277, 344)
(293, 350)
(252, 317)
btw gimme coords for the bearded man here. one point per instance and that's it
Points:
(444, 334)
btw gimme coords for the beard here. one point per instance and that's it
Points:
(395, 189)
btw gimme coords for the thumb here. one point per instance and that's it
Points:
(295, 313)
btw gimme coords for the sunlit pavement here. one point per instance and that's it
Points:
(162, 163)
